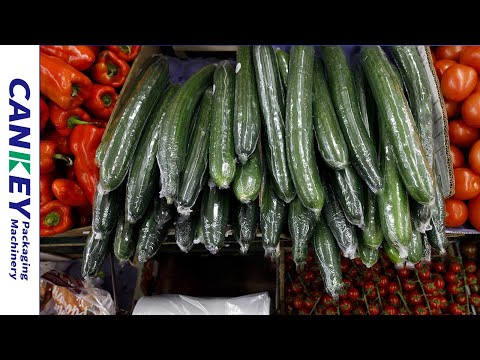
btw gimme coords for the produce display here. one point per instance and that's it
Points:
(458, 69)
(334, 150)
(79, 88)
(447, 285)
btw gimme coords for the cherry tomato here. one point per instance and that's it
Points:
(403, 311)
(353, 294)
(458, 81)
(470, 56)
(439, 266)
(408, 285)
(359, 310)
(374, 309)
(394, 300)
(424, 274)
(298, 303)
(455, 267)
(345, 306)
(456, 309)
(331, 310)
(453, 108)
(458, 160)
(474, 157)
(309, 276)
(403, 273)
(327, 300)
(471, 279)
(368, 286)
(429, 287)
(415, 297)
(461, 134)
(348, 282)
(474, 212)
(420, 310)
(372, 295)
(439, 283)
(471, 110)
(436, 312)
(308, 303)
(297, 287)
(353, 272)
(316, 294)
(382, 281)
(377, 267)
(442, 65)
(456, 212)
(310, 260)
(389, 310)
(435, 302)
(449, 52)
(450, 277)
(382, 292)
(390, 273)
(344, 264)
(393, 288)
(453, 288)
(419, 265)
(475, 299)
(368, 275)
(470, 266)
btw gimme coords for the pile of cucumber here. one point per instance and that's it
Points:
(319, 146)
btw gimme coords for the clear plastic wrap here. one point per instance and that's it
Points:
(196, 169)
(393, 255)
(245, 227)
(94, 253)
(427, 249)
(143, 176)
(330, 141)
(415, 248)
(301, 223)
(436, 236)
(371, 234)
(393, 205)
(283, 59)
(362, 153)
(342, 230)
(170, 304)
(368, 256)
(172, 144)
(106, 207)
(395, 112)
(273, 215)
(185, 228)
(421, 216)
(153, 228)
(248, 178)
(214, 217)
(328, 257)
(61, 294)
(348, 188)
(126, 236)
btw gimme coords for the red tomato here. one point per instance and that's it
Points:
(310, 260)
(471, 279)
(458, 81)
(456, 212)
(415, 297)
(477, 88)
(456, 309)
(408, 285)
(429, 287)
(458, 160)
(420, 310)
(474, 157)
(453, 108)
(382, 281)
(403, 273)
(331, 310)
(455, 267)
(436, 312)
(449, 52)
(453, 288)
(475, 299)
(327, 300)
(470, 56)
(461, 134)
(389, 310)
(439, 283)
(403, 311)
(353, 272)
(439, 266)
(368, 286)
(474, 212)
(442, 65)
(344, 264)
(374, 309)
(309, 276)
(424, 274)
(470, 266)
(298, 303)
(372, 295)
(308, 303)
(467, 184)
(297, 287)
(471, 110)
(345, 306)
(393, 288)
(444, 303)
(353, 294)
(450, 277)
(382, 292)
(435, 302)
(359, 310)
(394, 300)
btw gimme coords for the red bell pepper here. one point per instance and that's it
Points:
(55, 218)
(48, 155)
(44, 114)
(65, 120)
(84, 215)
(63, 84)
(46, 193)
(84, 141)
(69, 193)
(70, 172)
(109, 69)
(62, 142)
(95, 49)
(125, 52)
(102, 101)
(80, 57)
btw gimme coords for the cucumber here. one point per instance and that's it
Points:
(126, 237)
(298, 129)
(143, 175)
(119, 153)
(194, 177)
(221, 154)
(368, 255)
(246, 121)
(393, 206)
(393, 254)
(283, 58)
(272, 106)
(172, 144)
(436, 236)
(348, 188)
(328, 257)
(273, 215)
(415, 248)
(361, 90)
(342, 230)
(421, 216)
(372, 235)
(301, 224)
(330, 141)
(400, 127)
(106, 207)
(248, 179)
(427, 249)
(362, 152)
(185, 228)
(214, 215)
(199, 234)
(153, 229)
(245, 228)
(94, 254)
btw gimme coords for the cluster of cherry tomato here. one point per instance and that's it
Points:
(437, 288)
(458, 69)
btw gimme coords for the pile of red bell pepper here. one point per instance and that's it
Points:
(79, 88)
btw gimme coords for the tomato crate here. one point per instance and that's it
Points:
(434, 288)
